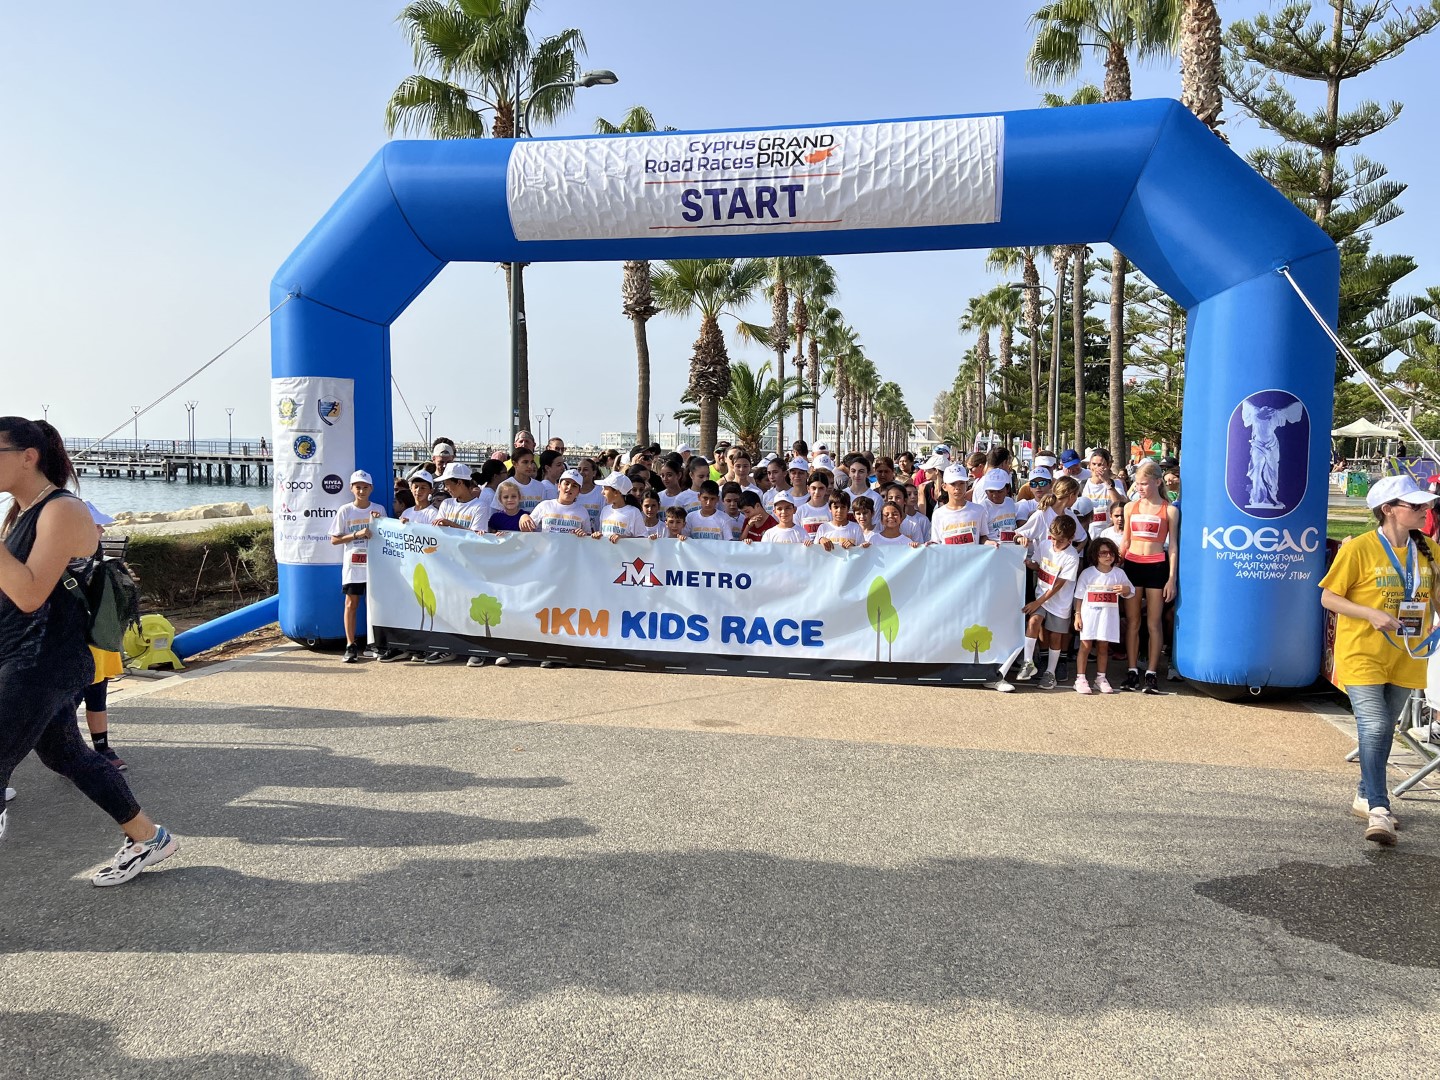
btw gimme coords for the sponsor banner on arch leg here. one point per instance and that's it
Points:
(313, 427)
(941, 614)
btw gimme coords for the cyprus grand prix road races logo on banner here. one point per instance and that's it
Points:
(287, 411)
(1267, 454)
(305, 447)
(329, 411)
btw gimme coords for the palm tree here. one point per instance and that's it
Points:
(709, 288)
(1006, 259)
(473, 56)
(980, 318)
(813, 282)
(1079, 277)
(754, 402)
(1066, 31)
(637, 301)
(822, 324)
(1198, 34)
(1006, 304)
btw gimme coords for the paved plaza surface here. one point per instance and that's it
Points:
(390, 870)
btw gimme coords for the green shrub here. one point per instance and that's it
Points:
(236, 559)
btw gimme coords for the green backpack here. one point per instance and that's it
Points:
(111, 597)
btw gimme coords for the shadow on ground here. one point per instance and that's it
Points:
(1384, 910)
(62, 1046)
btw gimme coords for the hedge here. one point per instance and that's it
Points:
(235, 560)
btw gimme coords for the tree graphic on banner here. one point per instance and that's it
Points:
(424, 595)
(486, 611)
(977, 639)
(884, 619)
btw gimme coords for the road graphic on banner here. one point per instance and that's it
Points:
(935, 614)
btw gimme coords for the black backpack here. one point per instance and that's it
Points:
(111, 597)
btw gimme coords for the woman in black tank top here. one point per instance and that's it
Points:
(45, 659)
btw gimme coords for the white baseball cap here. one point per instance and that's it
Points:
(1083, 507)
(995, 480)
(1390, 489)
(1041, 473)
(573, 474)
(684, 448)
(783, 497)
(935, 461)
(1047, 460)
(360, 476)
(443, 447)
(824, 462)
(956, 474)
(423, 474)
(457, 471)
(619, 481)
(799, 464)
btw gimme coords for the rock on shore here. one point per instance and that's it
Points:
(193, 513)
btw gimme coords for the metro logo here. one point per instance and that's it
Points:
(639, 573)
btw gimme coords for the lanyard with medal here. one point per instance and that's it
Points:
(1412, 613)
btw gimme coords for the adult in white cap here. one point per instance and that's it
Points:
(1381, 588)
(442, 452)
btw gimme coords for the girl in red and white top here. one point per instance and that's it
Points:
(959, 521)
(1098, 593)
(1150, 549)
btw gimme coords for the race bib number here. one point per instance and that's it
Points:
(1109, 598)
(1145, 527)
(357, 558)
(961, 536)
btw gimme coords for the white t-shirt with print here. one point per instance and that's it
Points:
(715, 527)
(473, 515)
(879, 539)
(531, 495)
(1062, 565)
(849, 531)
(420, 515)
(810, 518)
(958, 525)
(595, 505)
(621, 521)
(551, 517)
(1000, 519)
(778, 535)
(348, 519)
(1098, 597)
(917, 527)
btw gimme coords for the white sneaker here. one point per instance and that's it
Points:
(475, 661)
(1028, 671)
(9, 793)
(1102, 683)
(502, 661)
(133, 857)
(1361, 809)
(1001, 685)
(1381, 829)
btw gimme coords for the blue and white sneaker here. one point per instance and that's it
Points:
(133, 857)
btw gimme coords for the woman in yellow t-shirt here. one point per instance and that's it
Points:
(1382, 583)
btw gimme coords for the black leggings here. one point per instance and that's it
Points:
(41, 717)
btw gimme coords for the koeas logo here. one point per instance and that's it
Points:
(329, 411)
(1267, 454)
(332, 485)
(305, 447)
(1239, 538)
(640, 573)
(287, 411)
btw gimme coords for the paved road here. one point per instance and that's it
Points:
(606, 874)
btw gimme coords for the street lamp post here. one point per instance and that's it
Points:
(659, 425)
(547, 424)
(190, 408)
(600, 77)
(429, 425)
(136, 410)
(230, 436)
(46, 410)
(1053, 417)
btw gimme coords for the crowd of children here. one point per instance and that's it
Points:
(1102, 551)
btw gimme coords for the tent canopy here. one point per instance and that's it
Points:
(1364, 429)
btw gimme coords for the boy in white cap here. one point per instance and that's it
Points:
(785, 531)
(561, 514)
(464, 509)
(422, 487)
(959, 521)
(998, 506)
(351, 528)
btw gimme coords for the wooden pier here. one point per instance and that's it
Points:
(203, 468)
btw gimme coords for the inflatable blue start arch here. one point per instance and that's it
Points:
(1144, 176)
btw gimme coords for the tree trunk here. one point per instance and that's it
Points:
(709, 425)
(1200, 66)
(1118, 446)
(521, 374)
(1077, 340)
(1052, 395)
(642, 383)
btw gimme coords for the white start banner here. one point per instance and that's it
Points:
(905, 174)
(926, 614)
(313, 428)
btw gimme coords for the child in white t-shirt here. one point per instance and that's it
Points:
(532, 490)
(1000, 523)
(708, 523)
(650, 516)
(351, 527)
(463, 509)
(839, 530)
(786, 532)
(422, 487)
(1098, 593)
(561, 514)
(676, 521)
(621, 517)
(891, 530)
(815, 511)
(1116, 532)
(959, 521)
(1056, 564)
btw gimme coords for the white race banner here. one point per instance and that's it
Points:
(700, 606)
(864, 176)
(313, 426)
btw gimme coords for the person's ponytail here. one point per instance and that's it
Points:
(55, 461)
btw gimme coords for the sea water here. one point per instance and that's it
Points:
(115, 495)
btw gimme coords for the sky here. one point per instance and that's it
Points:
(163, 159)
